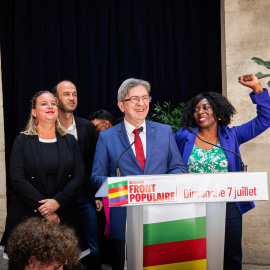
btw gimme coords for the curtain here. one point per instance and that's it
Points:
(97, 44)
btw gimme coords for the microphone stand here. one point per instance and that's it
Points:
(243, 167)
(117, 169)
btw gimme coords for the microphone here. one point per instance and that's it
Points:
(243, 167)
(117, 169)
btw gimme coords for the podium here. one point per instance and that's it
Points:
(178, 221)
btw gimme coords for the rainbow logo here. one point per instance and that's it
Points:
(118, 193)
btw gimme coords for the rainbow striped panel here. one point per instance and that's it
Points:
(118, 193)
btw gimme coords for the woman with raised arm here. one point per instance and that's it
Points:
(209, 115)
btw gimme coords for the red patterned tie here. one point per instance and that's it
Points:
(139, 149)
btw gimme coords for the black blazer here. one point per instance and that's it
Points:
(87, 142)
(28, 180)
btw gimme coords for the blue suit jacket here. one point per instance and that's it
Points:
(162, 157)
(232, 138)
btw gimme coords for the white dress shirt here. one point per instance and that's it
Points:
(72, 128)
(130, 128)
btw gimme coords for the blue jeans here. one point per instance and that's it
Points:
(233, 238)
(89, 221)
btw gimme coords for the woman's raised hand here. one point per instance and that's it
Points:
(252, 82)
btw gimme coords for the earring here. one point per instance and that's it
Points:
(219, 118)
(36, 121)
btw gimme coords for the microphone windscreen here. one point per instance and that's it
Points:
(191, 130)
(140, 129)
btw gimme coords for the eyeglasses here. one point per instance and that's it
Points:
(204, 109)
(100, 123)
(135, 99)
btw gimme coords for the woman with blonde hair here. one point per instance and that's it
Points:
(46, 169)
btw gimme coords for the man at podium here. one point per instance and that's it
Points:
(153, 151)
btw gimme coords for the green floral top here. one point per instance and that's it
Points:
(207, 161)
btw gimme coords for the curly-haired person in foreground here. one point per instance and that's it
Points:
(39, 244)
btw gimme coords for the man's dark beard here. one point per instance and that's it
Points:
(64, 109)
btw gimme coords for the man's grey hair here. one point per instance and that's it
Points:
(129, 83)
